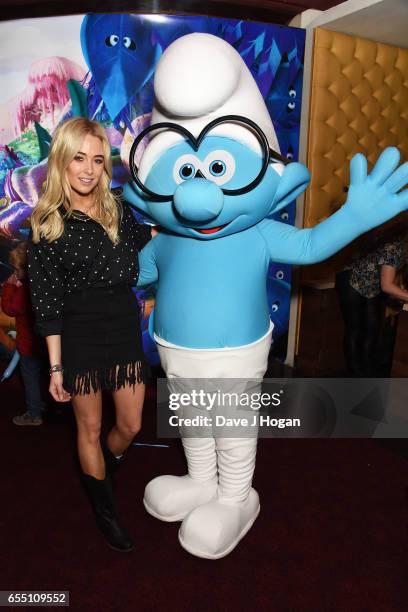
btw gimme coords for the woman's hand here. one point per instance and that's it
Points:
(56, 389)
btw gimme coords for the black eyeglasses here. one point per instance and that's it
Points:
(268, 154)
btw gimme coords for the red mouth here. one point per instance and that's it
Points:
(211, 230)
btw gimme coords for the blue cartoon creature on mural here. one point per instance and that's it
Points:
(209, 172)
(121, 54)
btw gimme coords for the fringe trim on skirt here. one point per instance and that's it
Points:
(111, 378)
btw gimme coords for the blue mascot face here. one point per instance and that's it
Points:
(199, 208)
(212, 186)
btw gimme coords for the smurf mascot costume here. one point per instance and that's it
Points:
(210, 176)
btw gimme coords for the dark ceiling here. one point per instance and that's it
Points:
(274, 11)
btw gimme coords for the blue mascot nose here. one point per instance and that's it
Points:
(198, 200)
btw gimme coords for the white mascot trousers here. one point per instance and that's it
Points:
(215, 500)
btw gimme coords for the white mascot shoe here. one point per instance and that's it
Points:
(171, 498)
(214, 529)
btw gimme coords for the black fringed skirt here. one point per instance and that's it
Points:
(101, 340)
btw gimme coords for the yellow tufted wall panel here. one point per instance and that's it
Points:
(359, 103)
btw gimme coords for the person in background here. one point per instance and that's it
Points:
(394, 275)
(16, 302)
(361, 288)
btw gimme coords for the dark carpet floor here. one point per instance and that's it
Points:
(331, 535)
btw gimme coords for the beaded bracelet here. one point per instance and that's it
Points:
(56, 368)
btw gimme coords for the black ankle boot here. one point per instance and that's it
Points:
(101, 498)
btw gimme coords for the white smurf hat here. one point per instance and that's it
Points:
(199, 78)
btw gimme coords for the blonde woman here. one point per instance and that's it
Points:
(82, 264)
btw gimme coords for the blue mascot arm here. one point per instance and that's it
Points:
(137, 199)
(148, 273)
(372, 200)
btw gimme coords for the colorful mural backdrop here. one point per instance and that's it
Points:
(101, 66)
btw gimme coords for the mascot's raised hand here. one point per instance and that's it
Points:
(374, 198)
(209, 171)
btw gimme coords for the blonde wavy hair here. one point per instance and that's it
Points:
(46, 220)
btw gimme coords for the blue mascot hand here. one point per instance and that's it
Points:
(371, 201)
(374, 198)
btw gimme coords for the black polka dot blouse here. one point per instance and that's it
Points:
(81, 258)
